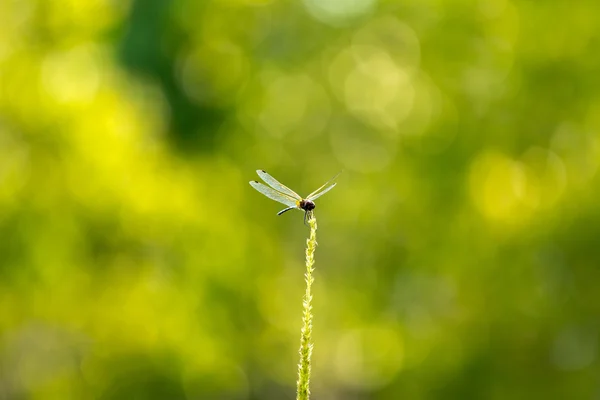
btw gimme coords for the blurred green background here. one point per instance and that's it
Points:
(459, 254)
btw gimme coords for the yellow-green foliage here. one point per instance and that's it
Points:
(462, 248)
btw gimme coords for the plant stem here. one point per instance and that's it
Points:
(306, 345)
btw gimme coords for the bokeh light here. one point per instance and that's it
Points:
(458, 255)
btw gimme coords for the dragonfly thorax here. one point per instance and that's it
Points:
(306, 205)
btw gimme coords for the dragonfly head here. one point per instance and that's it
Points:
(307, 205)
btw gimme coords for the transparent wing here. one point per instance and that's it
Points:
(274, 194)
(322, 192)
(323, 189)
(275, 184)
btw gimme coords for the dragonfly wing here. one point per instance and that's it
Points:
(323, 189)
(322, 192)
(275, 184)
(274, 194)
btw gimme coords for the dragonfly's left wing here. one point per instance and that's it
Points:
(275, 184)
(274, 194)
(323, 189)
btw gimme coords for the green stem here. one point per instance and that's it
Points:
(306, 345)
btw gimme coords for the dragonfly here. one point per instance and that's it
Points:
(281, 193)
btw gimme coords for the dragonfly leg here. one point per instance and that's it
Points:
(307, 214)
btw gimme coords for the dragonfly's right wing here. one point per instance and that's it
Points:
(323, 189)
(275, 184)
(322, 192)
(274, 194)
